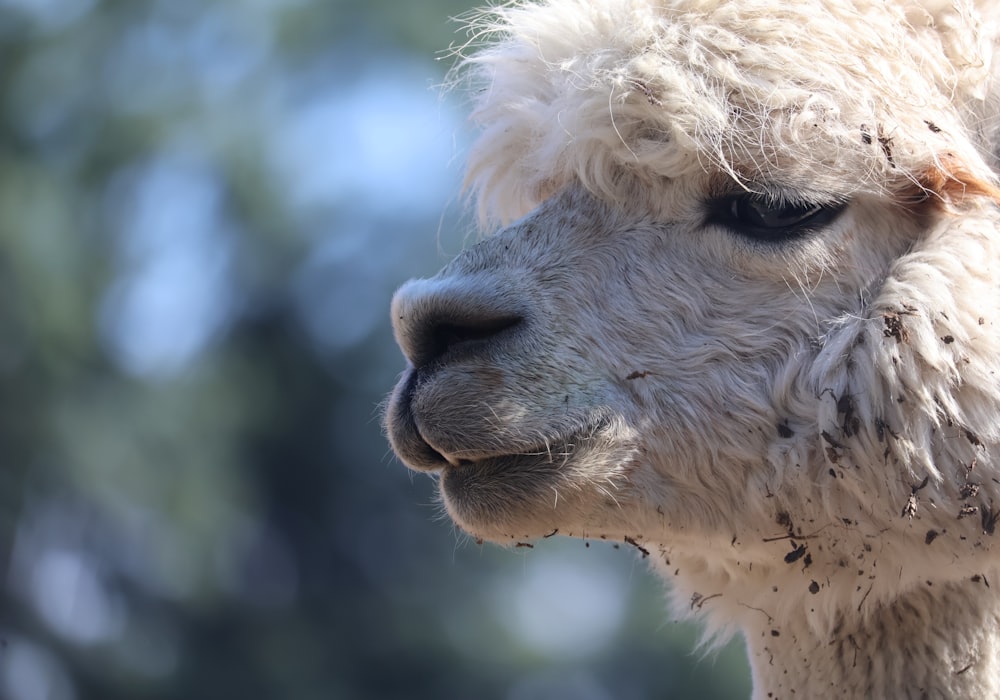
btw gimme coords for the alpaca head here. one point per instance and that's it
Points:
(742, 307)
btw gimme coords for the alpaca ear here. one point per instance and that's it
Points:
(969, 34)
(950, 181)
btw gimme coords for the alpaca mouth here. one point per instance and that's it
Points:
(568, 485)
(420, 450)
(495, 486)
(501, 461)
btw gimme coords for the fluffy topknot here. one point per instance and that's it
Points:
(621, 94)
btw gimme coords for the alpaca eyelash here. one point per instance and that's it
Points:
(770, 219)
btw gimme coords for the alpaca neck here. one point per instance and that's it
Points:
(938, 642)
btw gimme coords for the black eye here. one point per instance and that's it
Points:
(770, 219)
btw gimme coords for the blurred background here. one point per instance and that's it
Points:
(204, 210)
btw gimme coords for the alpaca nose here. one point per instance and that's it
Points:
(436, 318)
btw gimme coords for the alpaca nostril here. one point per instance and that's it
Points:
(438, 319)
(444, 337)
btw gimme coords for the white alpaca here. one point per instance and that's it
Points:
(746, 319)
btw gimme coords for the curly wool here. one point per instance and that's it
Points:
(619, 94)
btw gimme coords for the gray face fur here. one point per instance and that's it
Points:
(598, 374)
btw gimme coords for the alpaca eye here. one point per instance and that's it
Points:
(765, 218)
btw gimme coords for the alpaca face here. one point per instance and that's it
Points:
(595, 373)
(748, 302)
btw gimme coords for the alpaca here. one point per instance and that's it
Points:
(738, 307)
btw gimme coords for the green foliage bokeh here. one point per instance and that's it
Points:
(204, 210)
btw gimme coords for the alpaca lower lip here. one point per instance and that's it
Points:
(489, 496)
